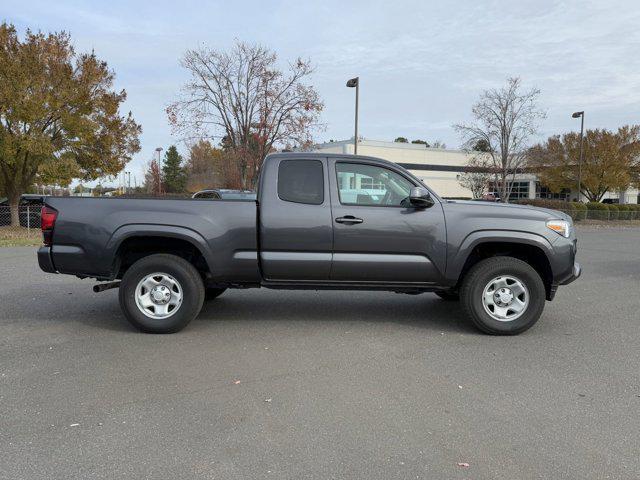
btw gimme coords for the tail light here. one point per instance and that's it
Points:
(47, 222)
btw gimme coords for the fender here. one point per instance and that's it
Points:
(457, 258)
(146, 230)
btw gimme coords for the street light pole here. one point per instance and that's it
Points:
(158, 150)
(581, 115)
(355, 82)
(159, 183)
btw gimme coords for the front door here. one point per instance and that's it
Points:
(378, 236)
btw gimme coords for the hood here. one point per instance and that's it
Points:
(513, 208)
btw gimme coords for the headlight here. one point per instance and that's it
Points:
(561, 227)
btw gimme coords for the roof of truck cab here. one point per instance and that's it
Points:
(346, 156)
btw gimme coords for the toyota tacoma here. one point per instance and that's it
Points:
(319, 222)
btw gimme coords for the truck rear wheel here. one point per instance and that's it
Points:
(503, 295)
(161, 293)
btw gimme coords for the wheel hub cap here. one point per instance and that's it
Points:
(505, 298)
(158, 295)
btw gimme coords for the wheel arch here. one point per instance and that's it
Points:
(132, 242)
(533, 249)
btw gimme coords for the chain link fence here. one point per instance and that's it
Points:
(27, 233)
(605, 215)
(592, 211)
(29, 216)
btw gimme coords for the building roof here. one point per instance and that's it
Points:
(386, 144)
(311, 155)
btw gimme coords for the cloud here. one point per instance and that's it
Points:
(422, 64)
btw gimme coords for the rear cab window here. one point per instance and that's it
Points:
(301, 181)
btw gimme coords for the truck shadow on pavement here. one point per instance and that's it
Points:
(424, 311)
(102, 311)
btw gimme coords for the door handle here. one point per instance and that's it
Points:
(349, 220)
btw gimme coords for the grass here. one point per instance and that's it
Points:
(20, 237)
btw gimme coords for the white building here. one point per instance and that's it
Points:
(441, 169)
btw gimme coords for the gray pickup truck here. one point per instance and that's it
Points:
(319, 222)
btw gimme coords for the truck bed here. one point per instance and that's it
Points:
(89, 232)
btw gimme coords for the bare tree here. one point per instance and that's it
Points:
(477, 176)
(504, 120)
(242, 97)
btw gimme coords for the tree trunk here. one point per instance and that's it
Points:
(14, 202)
(504, 187)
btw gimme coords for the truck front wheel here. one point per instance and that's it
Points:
(161, 293)
(503, 295)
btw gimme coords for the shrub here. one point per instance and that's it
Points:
(544, 203)
(567, 207)
(634, 211)
(624, 212)
(597, 211)
(580, 211)
(614, 213)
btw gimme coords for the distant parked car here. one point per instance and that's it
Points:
(225, 194)
(491, 197)
(611, 201)
(29, 217)
(211, 194)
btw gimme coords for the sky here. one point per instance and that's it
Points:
(421, 64)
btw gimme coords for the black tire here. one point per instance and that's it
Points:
(211, 293)
(188, 279)
(448, 295)
(481, 274)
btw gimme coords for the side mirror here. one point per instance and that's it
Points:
(420, 197)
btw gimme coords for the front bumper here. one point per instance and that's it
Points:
(45, 261)
(577, 271)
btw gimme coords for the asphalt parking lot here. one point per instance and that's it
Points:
(320, 385)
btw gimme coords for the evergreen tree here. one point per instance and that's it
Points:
(175, 177)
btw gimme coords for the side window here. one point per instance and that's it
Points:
(360, 184)
(301, 181)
